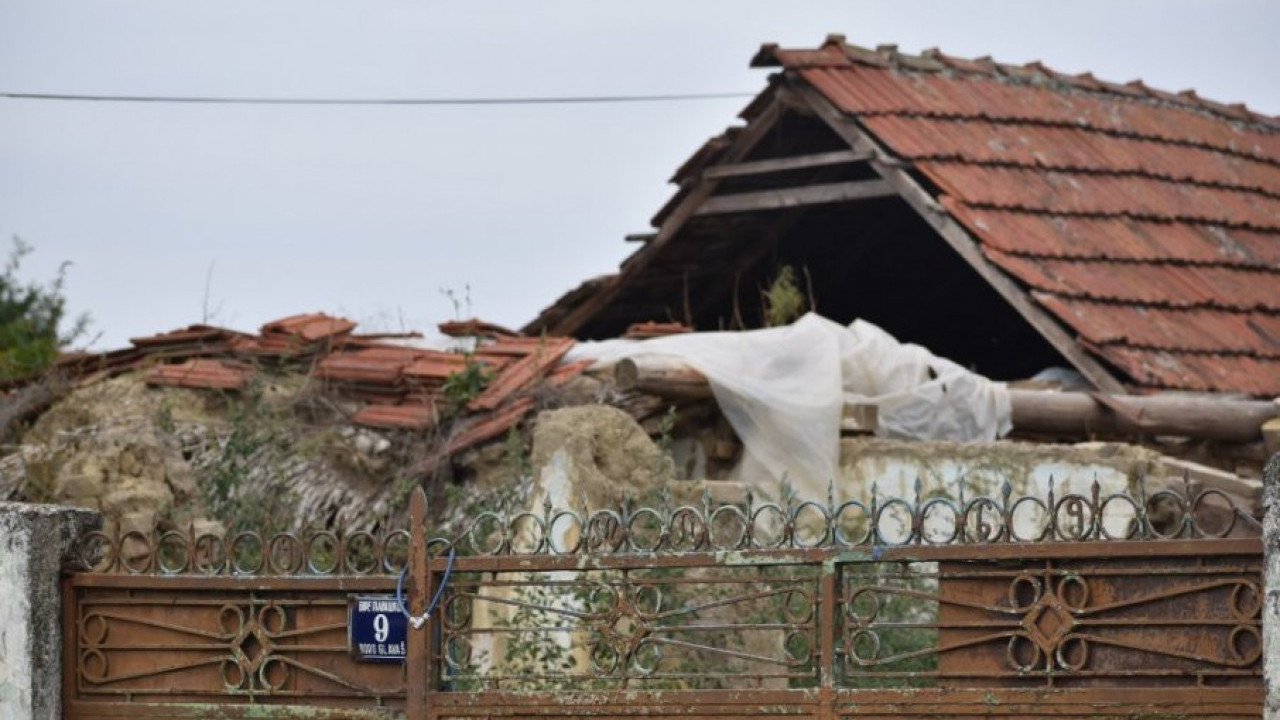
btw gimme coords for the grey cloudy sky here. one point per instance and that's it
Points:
(370, 211)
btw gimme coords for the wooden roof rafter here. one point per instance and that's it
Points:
(743, 143)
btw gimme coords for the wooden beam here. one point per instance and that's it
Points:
(959, 239)
(1069, 414)
(743, 143)
(795, 197)
(797, 162)
(1076, 414)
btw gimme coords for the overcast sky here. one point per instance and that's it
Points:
(369, 212)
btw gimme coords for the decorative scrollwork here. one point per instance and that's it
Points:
(238, 644)
(713, 627)
(1125, 621)
(790, 523)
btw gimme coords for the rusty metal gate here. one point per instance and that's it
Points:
(1071, 605)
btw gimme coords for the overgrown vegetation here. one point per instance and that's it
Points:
(31, 318)
(783, 300)
(236, 487)
(461, 386)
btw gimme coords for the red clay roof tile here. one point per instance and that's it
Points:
(397, 417)
(436, 366)
(1148, 222)
(310, 327)
(202, 374)
(1163, 285)
(473, 328)
(522, 373)
(361, 367)
(1196, 330)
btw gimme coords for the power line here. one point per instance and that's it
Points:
(214, 100)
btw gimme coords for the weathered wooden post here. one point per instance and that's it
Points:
(418, 660)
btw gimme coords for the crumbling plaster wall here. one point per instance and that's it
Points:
(35, 540)
(1271, 579)
(894, 465)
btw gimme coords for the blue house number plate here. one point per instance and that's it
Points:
(376, 629)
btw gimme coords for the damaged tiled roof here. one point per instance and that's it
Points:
(1147, 222)
(400, 386)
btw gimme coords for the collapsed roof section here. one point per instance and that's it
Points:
(387, 385)
(1009, 217)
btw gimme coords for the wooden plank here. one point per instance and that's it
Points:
(797, 162)
(783, 198)
(743, 143)
(959, 239)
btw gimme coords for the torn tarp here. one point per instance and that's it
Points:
(783, 390)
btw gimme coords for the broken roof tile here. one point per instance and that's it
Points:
(473, 328)
(436, 365)
(523, 373)
(190, 335)
(310, 327)
(397, 417)
(358, 367)
(201, 373)
(568, 371)
(489, 426)
(644, 330)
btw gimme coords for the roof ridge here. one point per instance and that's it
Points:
(1034, 72)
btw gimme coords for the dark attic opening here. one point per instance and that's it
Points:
(856, 249)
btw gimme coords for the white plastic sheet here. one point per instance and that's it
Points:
(783, 390)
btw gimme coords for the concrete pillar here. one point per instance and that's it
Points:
(1271, 571)
(35, 541)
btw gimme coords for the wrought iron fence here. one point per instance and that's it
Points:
(758, 606)
(948, 515)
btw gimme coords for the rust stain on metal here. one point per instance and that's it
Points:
(885, 607)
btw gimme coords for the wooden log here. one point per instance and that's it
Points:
(1078, 414)
(1046, 412)
(672, 381)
